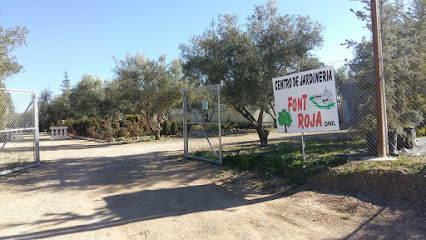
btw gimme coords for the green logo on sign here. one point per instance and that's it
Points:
(323, 100)
(284, 118)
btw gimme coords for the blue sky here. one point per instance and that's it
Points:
(83, 36)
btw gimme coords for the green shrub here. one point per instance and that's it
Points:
(109, 133)
(101, 135)
(242, 162)
(411, 118)
(116, 125)
(106, 125)
(174, 128)
(421, 131)
(228, 126)
(244, 125)
(70, 123)
(121, 132)
(91, 131)
(134, 129)
(144, 125)
(132, 118)
(165, 128)
(105, 129)
(94, 122)
(207, 128)
(80, 127)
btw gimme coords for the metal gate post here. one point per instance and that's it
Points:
(36, 133)
(20, 124)
(185, 127)
(220, 124)
(187, 102)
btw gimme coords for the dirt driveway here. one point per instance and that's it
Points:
(87, 190)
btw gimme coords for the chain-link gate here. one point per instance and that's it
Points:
(19, 134)
(202, 123)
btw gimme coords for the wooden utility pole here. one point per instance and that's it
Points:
(380, 108)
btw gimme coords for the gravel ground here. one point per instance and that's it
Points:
(146, 190)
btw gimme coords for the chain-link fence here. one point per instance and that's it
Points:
(357, 138)
(359, 114)
(202, 123)
(354, 140)
(19, 135)
(404, 118)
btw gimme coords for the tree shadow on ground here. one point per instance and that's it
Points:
(409, 225)
(142, 206)
(121, 171)
(145, 170)
(66, 144)
(395, 214)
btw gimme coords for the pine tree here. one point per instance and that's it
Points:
(65, 108)
(66, 83)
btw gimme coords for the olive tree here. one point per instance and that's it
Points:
(149, 86)
(10, 39)
(45, 109)
(86, 98)
(246, 59)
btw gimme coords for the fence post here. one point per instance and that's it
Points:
(219, 123)
(380, 108)
(185, 128)
(36, 130)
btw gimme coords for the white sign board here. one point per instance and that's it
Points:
(306, 101)
(205, 105)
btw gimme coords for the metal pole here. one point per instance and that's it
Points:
(185, 127)
(219, 123)
(302, 134)
(303, 148)
(377, 45)
(36, 131)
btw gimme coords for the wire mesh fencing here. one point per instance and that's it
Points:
(366, 128)
(359, 115)
(239, 138)
(202, 123)
(19, 137)
(406, 112)
(357, 139)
